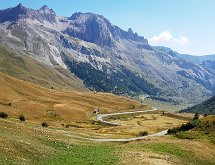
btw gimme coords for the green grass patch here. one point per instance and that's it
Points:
(80, 154)
(204, 135)
(188, 135)
(5, 161)
(171, 149)
(96, 122)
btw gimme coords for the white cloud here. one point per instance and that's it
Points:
(182, 40)
(162, 37)
(167, 37)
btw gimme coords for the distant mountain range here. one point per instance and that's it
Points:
(206, 61)
(103, 56)
(191, 58)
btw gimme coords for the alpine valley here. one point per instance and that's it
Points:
(86, 49)
(79, 90)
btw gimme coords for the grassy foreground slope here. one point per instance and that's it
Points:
(26, 68)
(38, 103)
(29, 143)
(23, 143)
(203, 128)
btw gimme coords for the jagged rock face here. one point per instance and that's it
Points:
(21, 12)
(104, 56)
(92, 29)
(12, 14)
(97, 29)
(44, 13)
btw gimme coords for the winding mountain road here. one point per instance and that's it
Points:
(101, 117)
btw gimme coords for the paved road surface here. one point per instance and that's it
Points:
(101, 117)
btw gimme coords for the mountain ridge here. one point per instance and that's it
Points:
(206, 61)
(111, 59)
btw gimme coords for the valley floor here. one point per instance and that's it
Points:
(29, 143)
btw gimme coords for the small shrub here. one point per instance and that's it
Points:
(205, 115)
(44, 124)
(9, 104)
(22, 118)
(173, 130)
(3, 115)
(196, 116)
(143, 133)
(184, 127)
(162, 113)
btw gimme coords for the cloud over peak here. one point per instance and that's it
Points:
(167, 37)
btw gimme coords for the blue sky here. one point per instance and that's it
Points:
(187, 26)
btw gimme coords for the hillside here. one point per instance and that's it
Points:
(206, 107)
(39, 104)
(206, 61)
(198, 59)
(104, 56)
(207, 125)
(26, 68)
(203, 128)
(30, 143)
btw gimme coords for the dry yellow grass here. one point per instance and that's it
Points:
(147, 158)
(38, 103)
(167, 150)
(132, 126)
(149, 122)
(26, 142)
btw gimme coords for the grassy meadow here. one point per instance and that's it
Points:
(70, 119)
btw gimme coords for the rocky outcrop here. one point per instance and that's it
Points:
(97, 29)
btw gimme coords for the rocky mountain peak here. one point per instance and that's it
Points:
(97, 29)
(45, 7)
(47, 10)
(134, 36)
(20, 6)
(20, 9)
(21, 12)
(89, 27)
(130, 31)
(45, 13)
(80, 15)
(92, 28)
(13, 14)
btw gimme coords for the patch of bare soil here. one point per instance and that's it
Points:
(146, 158)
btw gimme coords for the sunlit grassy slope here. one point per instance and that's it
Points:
(28, 143)
(24, 143)
(204, 129)
(26, 68)
(39, 103)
